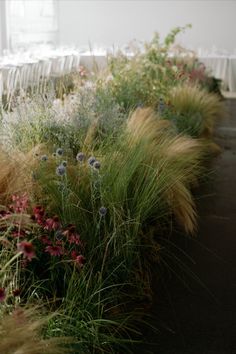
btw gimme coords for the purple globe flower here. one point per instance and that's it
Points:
(59, 152)
(80, 157)
(44, 158)
(102, 211)
(60, 170)
(59, 235)
(91, 160)
(97, 165)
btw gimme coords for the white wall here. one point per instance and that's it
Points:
(119, 21)
(3, 34)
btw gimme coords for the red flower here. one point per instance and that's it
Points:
(2, 294)
(78, 259)
(45, 240)
(18, 233)
(27, 249)
(38, 215)
(38, 210)
(72, 235)
(54, 250)
(74, 238)
(70, 230)
(16, 292)
(52, 224)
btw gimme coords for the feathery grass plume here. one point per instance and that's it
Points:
(144, 122)
(197, 108)
(21, 333)
(91, 134)
(15, 172)
(179, 159)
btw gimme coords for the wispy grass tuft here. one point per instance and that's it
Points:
(21, 333)
(196, 110)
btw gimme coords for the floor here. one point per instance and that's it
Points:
(196, 311)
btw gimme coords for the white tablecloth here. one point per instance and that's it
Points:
(93, 62)
(223, 68)
(232, 74)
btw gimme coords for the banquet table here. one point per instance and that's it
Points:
(94, 61)
(222, 67)
(22, 71)
(232, 74)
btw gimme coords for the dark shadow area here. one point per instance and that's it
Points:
(195, 302)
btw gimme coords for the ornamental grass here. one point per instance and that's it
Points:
(21, 333)
(195, 110)
(89, 188)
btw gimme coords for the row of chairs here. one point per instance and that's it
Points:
(35, 73)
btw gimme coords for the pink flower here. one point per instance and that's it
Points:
(69, 231)
(78, 259)
(20, 203)
(72, 235)
(82, 71)
(52, 224)
(38, 215)
(54, 250)
(74, 238)
(2, 294)
(45, 240)
(27, 249)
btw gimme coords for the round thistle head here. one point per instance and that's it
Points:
(97, 165)
(59, 235)
(91, 160)
(54, 154)
(59, 152)
(44, 158)
(60, 170)
(80, 157)
(64, 163)
(102, 211)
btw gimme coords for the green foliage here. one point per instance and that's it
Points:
(97, 277)
(144, 78)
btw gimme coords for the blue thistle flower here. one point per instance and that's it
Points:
(91, 160)
(44, 158)
(64, 163)
(59, 235)
(60, 170)
(102, 211)
(80, 157)
(59, 152)
(97, 165)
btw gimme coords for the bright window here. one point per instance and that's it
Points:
(31, 22)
